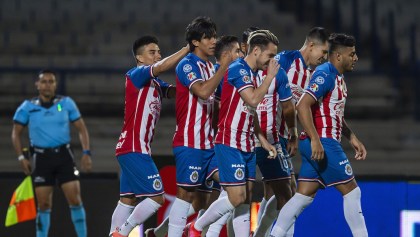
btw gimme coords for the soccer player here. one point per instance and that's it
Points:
(298, 64)
(50, 148)
(193, 140)
(235, 138)
(139, 175)
(324, 163)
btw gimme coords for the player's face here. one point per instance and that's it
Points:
(150, 54)
(263, 59)
(349, 58)
(319, 54)
(236, 51)
(205, 46)
(46, 85)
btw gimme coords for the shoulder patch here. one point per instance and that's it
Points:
(246, 79)
(314, 87)
(320, 80)
(187, 68)
(191, 76)
(243, 72)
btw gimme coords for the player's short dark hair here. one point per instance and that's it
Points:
(247, 32)
(142, 41)
(261, 38)
(339, 40)
(224, 43)
(319, 34)
(47, 70)
(202, 26)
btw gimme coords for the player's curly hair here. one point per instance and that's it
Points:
(202, 26)
(261, 38)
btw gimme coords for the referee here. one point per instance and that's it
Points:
(48, 118)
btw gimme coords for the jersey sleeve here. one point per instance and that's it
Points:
(283, 60)
(283, 87)
(22, 114)
(141, 75)
(320, 84)
(164, 86)
(239, 77)
(71, 107)
(188, 73)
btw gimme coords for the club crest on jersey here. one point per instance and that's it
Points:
(191, 76)
(187, 68)
(209, 183)
(348, 169)
(314, 87)
(246, 79)
(157, 184)
(320, 80)
(194, 177)
(239, 174)
(243, 72)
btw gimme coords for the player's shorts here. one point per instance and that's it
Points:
(192, 166)
(139, 176)
(283, 142)
(53, 165)
(334, 169)
(209, 183)
(272, 169)
(235, 166)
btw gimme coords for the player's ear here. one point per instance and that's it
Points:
(195, 42)
(139, 58)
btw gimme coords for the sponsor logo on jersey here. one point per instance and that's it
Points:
(191, 76)
(155, 107)
(246, 79)
(187, 68)
(314, 87)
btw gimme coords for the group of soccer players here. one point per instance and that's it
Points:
(232, 116)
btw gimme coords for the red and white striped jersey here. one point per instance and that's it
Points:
(279, 90)
(193, 115)
(298, 74)
(235, 127)
(143, 97)
(328, 88)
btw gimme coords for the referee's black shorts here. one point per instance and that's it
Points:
(53, 165)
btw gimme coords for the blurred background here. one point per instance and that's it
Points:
(88, 42)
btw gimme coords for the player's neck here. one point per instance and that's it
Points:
(201, 54)
(251, 62)
(46, 99)
(304, 51)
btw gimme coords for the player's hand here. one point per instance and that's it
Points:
(292, 146)
(358, 147)
(86, 163)
(225, 59)
(272, 151)
(26, 166)
(317, 150)
(273, 68)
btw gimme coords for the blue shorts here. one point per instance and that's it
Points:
(235, 166)
(192, 166)
(209, 183)
(272, 169)
(283, 142)
(334, 169)
(139, 176)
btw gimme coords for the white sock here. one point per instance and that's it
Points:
(242, 220)
(288, 214)
(200, 213)
(216, 210)
(162, 229)
(269, 214)
(353, 213)
(263, 203)
(291, 231)
(120, 215)
(178, 217)
(215, 228)
(141, 213)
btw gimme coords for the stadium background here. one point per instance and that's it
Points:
(88, 42)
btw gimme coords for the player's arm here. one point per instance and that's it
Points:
(253, 96)
(171, 92)
(170, 61)
(354, 142)
(17, 144)
(264, 143)
(289, 113)
(86, 162)
(203, 89)
(305, 117)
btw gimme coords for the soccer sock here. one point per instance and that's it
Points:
(43, 223)
(288, 214)
(120, 215)
(78, 216)
(141, 213)
(215, 228)
(263, 203)
(178, 217)
(291, 231)
(162, 229)
(353, 213)
(269, 214)
(242, 220)
(216, 210)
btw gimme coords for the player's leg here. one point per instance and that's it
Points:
(44, 200)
